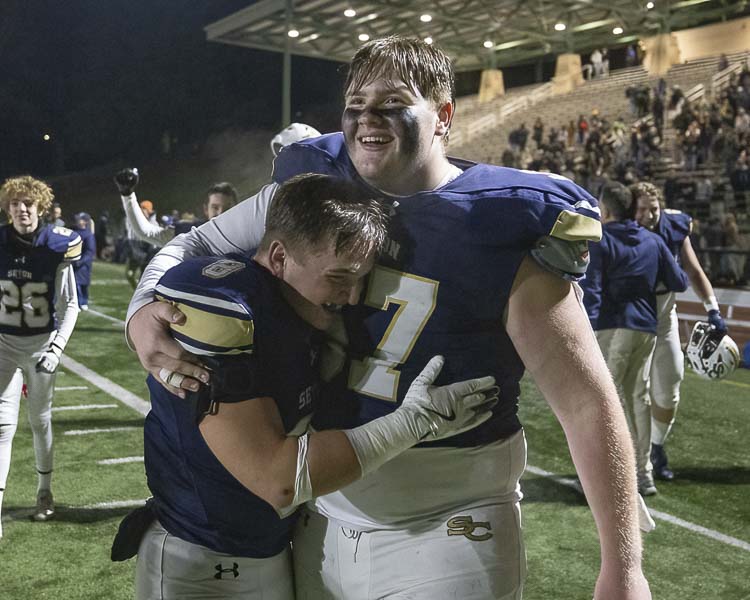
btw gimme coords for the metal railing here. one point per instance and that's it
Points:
(720, 80)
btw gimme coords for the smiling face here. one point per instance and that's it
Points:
(318, 284)
(394, 136)
(24, 213)
(648, 211)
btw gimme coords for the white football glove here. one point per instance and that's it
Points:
(427, 413)
(448, 410)
(49, 360)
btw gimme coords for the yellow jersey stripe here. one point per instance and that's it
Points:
(572, 226)
(220, 332)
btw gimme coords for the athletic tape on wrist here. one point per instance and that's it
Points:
(302, 485)
(711, 304)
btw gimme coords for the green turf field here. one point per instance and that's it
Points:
(68, 558)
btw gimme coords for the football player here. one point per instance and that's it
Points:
(668, 365)
(479, 262)
(228, 470)
(38, 311)
(82, 268)
(219, 197)
(626, 268)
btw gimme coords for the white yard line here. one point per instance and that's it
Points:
(115, 504)
(83, 407)
(71, 388)
(96, 313)
(656, 514)
(107, 386)
(96, 430)
(120, 461)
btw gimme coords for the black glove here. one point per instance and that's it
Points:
(126, 180)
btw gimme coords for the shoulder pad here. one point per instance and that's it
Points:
(568, 259)
(64, 231)
(217, 322)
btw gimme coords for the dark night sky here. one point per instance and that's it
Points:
(106, 78)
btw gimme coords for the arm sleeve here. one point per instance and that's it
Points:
(239, 229)
(141, 227)
(66, 304)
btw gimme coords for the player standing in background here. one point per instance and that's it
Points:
(38, 311)
(82, 268)
(627, 267)
(478, 262)
(668, 365)
(229, 469)
(219, 197)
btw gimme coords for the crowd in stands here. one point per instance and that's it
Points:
(710, 173)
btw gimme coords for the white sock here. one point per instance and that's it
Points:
(660, 431)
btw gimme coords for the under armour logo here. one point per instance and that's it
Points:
(235, 570)
(465, 526)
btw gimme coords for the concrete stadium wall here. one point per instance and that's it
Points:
(712, 40)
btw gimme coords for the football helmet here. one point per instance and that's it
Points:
(296, 132)
(710, 353)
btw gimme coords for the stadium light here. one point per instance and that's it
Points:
(293, 33)
(428, 40)
(488, 44)
(617, 30)
(363, 37)
(350, 12)
(559, 26)
(649, 5)
(425, 18)
(46, 137)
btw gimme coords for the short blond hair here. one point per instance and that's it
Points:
(26, 186)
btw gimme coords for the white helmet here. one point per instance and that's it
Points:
(712, 355)
(296, 132)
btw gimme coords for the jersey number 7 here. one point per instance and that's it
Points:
(416, 297)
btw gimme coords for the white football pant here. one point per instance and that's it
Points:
(667, 369)
(18, 358)
(628, 354)
(450, 527)
(170, 568)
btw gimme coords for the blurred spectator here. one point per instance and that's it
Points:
(596, 62)
(583, 129)
(55, 216)
(82, 268)
(723, 62)
(732, 263)
(631, 58)
(518, 137)
(571, 133)
(102, 235)
(538, 134)
(605, 62)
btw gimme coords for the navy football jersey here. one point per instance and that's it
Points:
(627, 268)
(673, 227)
(28, 266)
(257, 347)
(442, 284)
